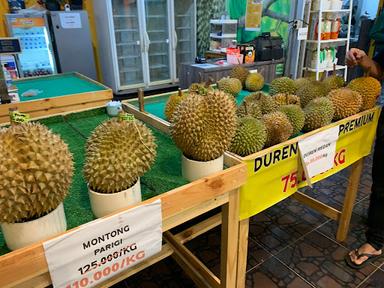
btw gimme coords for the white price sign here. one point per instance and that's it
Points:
(104, 248)
(70, 20)
(318, 152)
(302, 33)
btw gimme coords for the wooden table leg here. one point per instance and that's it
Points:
(229, 240)
(349, 200)
(242, 253)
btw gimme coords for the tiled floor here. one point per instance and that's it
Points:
(290, 246)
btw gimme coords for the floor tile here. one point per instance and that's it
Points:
(164, 274)
(321, 262)
(207, 248)
(376, 280)
(361, 208)
(283, 224)
(273, 274)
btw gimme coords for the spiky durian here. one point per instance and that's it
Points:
(282, 85)
(254, 82)
(369, 88)
(346, 102)
(286, 99)
(203, 126)
(250, 137)
(232, 86)
(199, 88)
(36, 170)
(314, 89)
(265, 102)
(118, 152)
(249, 108)
(295, 115)
(279, 129)
(334, 82)
(300, 82)
(173, 101)
(239, 72)
(318, 113)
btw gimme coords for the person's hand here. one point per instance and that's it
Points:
(354, 56)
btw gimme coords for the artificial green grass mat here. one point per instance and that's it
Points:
(55, 86)
(156, 105)
(164, 175)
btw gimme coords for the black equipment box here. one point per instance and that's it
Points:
(268, 47)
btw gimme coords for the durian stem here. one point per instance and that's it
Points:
(180, 92)
(324, 75)
(141, 140)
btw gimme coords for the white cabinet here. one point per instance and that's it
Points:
(143, 43)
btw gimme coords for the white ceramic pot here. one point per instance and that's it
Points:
(193, 170)
(18, 235)
(106, 203)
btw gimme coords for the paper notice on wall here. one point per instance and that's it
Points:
(70, 20)
(253, 15)
(104, 248)
(302, 33)
(318, 152)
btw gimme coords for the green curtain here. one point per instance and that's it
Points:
(206, 10)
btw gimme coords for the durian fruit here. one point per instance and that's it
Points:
(346, 102)
(282, 85)
(286, 99)
(300, 82)
(250, 137)
(314, 89)
(295, 115)
(369, 88)
(173, 101)
(249, 108)
(334, 82)
(265, 102)
(118, 152)
(318, 113)
(203, 125)
(254, 82)
(232, 86)
(199, 88)
(36, 170)
(239, 72)
(279, 128)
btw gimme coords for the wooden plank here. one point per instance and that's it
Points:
(58, 111)
(229, 240)
(349, 200)
(197, 270)
(147, 118)
(41, 281)
(242, 253)
(31, 259)
(322, 208)
(199, 229)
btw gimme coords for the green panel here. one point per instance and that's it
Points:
(57, 85)
(164, 176)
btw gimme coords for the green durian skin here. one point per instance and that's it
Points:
(282, 85)
(232, 86)
(250, 137)
(278, 126)
(334, 82)
(318, 113)
(265, 102)
(295, 115)
(307, 93)
(254, 82)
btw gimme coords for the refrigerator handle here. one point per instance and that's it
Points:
(175, 39)
(147, 42)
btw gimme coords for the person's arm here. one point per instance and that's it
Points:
(357, 57)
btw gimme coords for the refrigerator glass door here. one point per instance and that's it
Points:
(37, 57)
(184, 33)
(129, 46)
(157, 40)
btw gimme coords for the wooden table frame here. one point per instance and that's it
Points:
(60, 104)
(27, 267)
(343, 217)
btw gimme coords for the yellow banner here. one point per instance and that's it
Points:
(253, 15)
(276, 173)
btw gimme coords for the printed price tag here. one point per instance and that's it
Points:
(104, 248)
(318, 152)
(302, 33)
